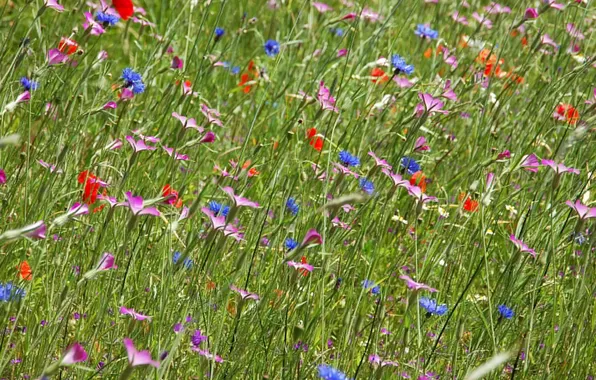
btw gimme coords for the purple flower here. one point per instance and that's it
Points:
(559, 168)
(2, 177)
(139, 145)
(136, 205)
(380, 162)
(300, 266)
(311, 237)
(96, 28)
(54, 5)
(138, 358)
(134, 314)
(584, 212)
(187, 123)
(211, 114)
(238, 200)
(522, 246)
(531, 13)
(244, 294)
(106, 262)
(416, 285)
(219, 222)
(55, 57)
(75, 353)
(396, 178)
(197, 338)
(530, 163)
(177, 63)
(321, 7)
(417, 193)
(177, 156)
(429, 105)
(325, 99)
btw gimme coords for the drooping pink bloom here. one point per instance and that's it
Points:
(35, 231)
(396, 178)
(429, 105)
(325, 99)
(411, 284)
(177, 156)
(417, 193)
(482, 20)
(75, 353)
(187, 123)
(574, 32)
(54, 5)
(380, 162)
(448, 92)
(495, 8)
(559, 168)
(139, 145)
(52, 168)
(96, 28)
(531, 13)
(207, 354)
(459, 18)
(22, 98)
(322, 7)
(138, 358)
(420, 144)
(547, 40)
(311, 237)
(238, 200)
(211, 114)
(208, 137)
(110, 105)
(522, 246)
(136, 205)
(134, 314)
(530, 163)
(116, 144)
(583, 211)
(244, 294)
(177, 63)
(107, 262)
(55, 57)
(593, 100)
(300, 266)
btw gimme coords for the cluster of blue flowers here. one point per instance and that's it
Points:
(28, 85)
(425, 31)
(133, 80)
(367, 186)
(219, 209)
(400, 66)
(292, 206)
(291, 244)
(505, 312)
(106, 18)
(374, 289)
(327, 372)
(410, 165)
(9, 292)
(347, 159)
(188, 263)
(432, 307)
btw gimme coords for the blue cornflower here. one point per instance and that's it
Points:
(10, 293)
(431, 306)
(425, 31)
(134, 80)
(347, 159)
(374, 288)
(187, 261)
(400, 65)
(367, 186)
(271, 48)
(235, 70)
(410, 165)
(291, 244)
(292, 206)
(339, 32)
(219, 209)
(28, 85)
(579, 238)
(505, 312)
(219, 32)
(106, 19)
(327, 372)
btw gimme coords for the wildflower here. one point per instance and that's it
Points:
(188, 263)
(505, 312)
(420, 144)
(208, 355)
(483, 20)
(106, 262)
(219, 223)
(367, 186)
(400, 66)
(211, 114)
(67, 46)
(327, 372)
(176, 155)
(530, 163)
(566, 112)
(238, 200)
(133, 80)
(291, 244)
(379, 76)
(137, 358)
(25, 271)
(187, 122)
(134, 314)
(2, 177)
(249, 77)
(271, 48)
(315, 141)
(136, 205)
(177, 64)
(429, 105)
(411, 284)
(197, 338)
(425, 31)
(303, 267)
(28, 85)
(410, 165)
(380, 162)
(54, 5)
(531, 13)
(219, 209)
(559, 168)
(8, 292)
(419, 179)
(522, 246)
(417, 193)
(106, 18)
(139, 145)
(311, 237)
(584, 212)
(171, 196)
(245, 294)
(75, 353)
(22, 98)
(325, 99)
(125, 9)
(432, 307)
(322, 7)
(219, 33)
(347, 159)
(96, 28)
(292, 206)
(396, 178)
(469, 204)
(459, 18)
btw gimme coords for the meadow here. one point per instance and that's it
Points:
(288, 189)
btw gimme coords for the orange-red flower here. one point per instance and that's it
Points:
(566, 112)
(314, 141)
(250, 74)
(67, 46)
(171, 196)
(91, 186)
(303, 271)
(379, 76)
(25, 271)
(470, 205)
(419, 179)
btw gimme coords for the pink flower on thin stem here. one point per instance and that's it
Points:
(187, 122)
(322, 7)
(244, 294)
(135, 203)
(300, 266)
(420, 144)
(52, 168)
(75, 353)
(177, 156)
(238, 200)
(522, 246)
(583, 211)
(559, 168)
(207, 354)
(2, 177)
(134, 314)
(107, 262)
(139, 145)
(177, 63)
(311, 237)
(411, 284)
(211, 114)
(96, 28)
(55, 57)
(219, 223)
(116, 144)
(396, 178)
(379, 161)
(22, 98)
(325, 99)
(54, 5)
(138, 358)
(109, 105)
(530, 163)
(531, 13)
(417, 193)
(429, 105)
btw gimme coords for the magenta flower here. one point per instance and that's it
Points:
(530, 163)
(138, 358)
(556, 6)
(112, 201)
(342, 53)
(574, 32)
(126, 94)
(299, 266)
(238, 200)
(451, 60)
(186, 122)
(448, 92)
(2, 177)
(321, 7)
(396, 178)
(531, 13)
(380, 162)
(504, 155)
(211, 114)
(56, 57)
(325, 99)
(177, 156)
(402, 82)
(139, 145)
(219, 222)
(110, 105)
(208, 137)
(177, 63)
(54, 5)
(75, 353)
(459, 18)
(559, 168)
(482, 20)
(22, 98)
(96, 28)
(495, 8)
(116, 144)
(522, 246)
(411, 284)
(136, 205)
(420, 144)
(36, 230)
(429, 105)
(207, 354)
(343, 170)
(311, 237)
(547, 40)
(134, 314)
(584, 212)
(417, 193)
(244, 294)
(49, 166)
(107, 262)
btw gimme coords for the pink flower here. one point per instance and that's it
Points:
(495, 8)
(322, 7)
(49, 166)
(244, 294)
(311, 237)
(110, 105)
(504, 154)
(2, 177)
(238, 200)
(177, 63)
(107, 262)
(116, 144)
(379, 162)
(342, 53)
(417, 193)
(22, 98)
(420, 144)
(556, 6)
(55, 57)
(134, 314)
(139, 145)
(338, 223)
(396, 178)
(429, 105)
(177, 156)
(546, 40)
(530, 163)
(96, 28)
(187, 123)
(559, 168)
(219, 223)
(531, 13)
(211, 114)
(208, 137)
(448, 92)
(207, 354)
(350, 16)
(593, 100)
(54, 5)
(584, 212)
(138, 358)
(482, 20)
(402, 82)
(36, 230)
(522, 246)
(370, 15)
(75, 353)
(458, 18)
(299, 266)
(416, 285)
(574, 32)
(135, 203)
(325, 99)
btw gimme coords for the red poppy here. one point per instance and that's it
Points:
(251, 74)
(567, 112)
(304, 271)
(91, 186)
(419, 179)
(252, 171)
(25, 271)
(124, 7)
(68, 46)
(171, 196)
(379, 75)
(315, 142)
